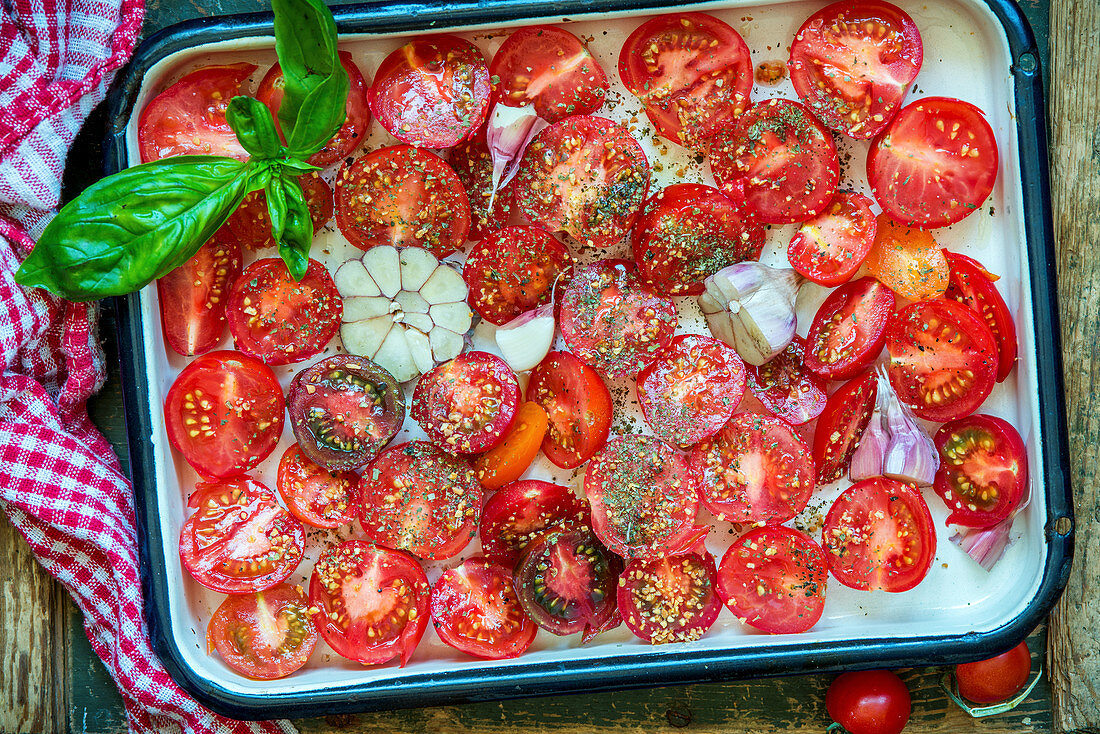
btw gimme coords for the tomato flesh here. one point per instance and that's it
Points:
(869, 702)
(476, 610)
(972, 286)
(983, 470)
(849, 329)
(509, 459)
(670, 599)
(995, 679)
(578, 408)
(251, 222)
(265, 635)
(314, 495)
(829, 248)
(841, 424)
(521, 511)
(908, 260)
(192, 297)
(785, 387)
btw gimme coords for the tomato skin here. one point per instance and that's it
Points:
(849, 329)
(785, 387)
(251, 222)
(671, 599)
(238, 630)
(314, 495)
(578, 407)
(522, 510)
(509, 459)
(972, 285)
(983, 470)
(995, 679)
(192, 297)
(829, 248)
(841, 425)
(869, 702)
(476, 610)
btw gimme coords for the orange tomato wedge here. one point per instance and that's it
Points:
(908, 260)
(506, 462)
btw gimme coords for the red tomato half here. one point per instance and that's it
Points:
(852, 63)
(315, 495)
(476, 610)
(577, 404)
(997, 678)
(522, 510)
(879, 535)
(869, 702)
(224, 413)
(935, 163)
(693, 73)
(372, 602)
(779, 160)
(841, 425)
(983, 470)
(972, 286)
(433, 92)
(188, 118)
(670, 599)
(265, 635)
(773, 578)
(251, 222)
(550, 69)
(513, 271)
(830, 247)
(786, 387)
(239, 539)
(849, 329)
(192, 297)
(473, 166)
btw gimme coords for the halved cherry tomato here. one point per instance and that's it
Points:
(315, 495)
(830, 247)
(473, 165)
(404, 197)
(773, 578)
(371, 602)
(512, 271)
(468, 404)
(507, 461)
(670, 599)
(943, 359)
(433, 92)
(577, 404)
(476, 610)
(693, 73)
(239, 539)
(279, 320)
(997, 678)
(786, 387)
(689, 231)
(549, 69)
(585, 176)
(265, 635)
(983, 470)
(251, 223)
(908, 260)
(522, 510)
(852, 63)
(869, 702)
(643, 498)
(878, 535)
(841, 425)
(612, 321)
(972, 286)
(779, 160)
(420, 499)
(224, 413)
(192, 297)
(934, 164)
(354, 129)
(849, 329)
(691, 390)
(188, 118)
(756, 469)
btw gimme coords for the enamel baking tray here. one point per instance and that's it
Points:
(978, 50)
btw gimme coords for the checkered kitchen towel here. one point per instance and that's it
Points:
(59, 482)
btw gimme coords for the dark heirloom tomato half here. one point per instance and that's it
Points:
(522, 510)
(251, 222)
(239, 539)
(670, 599)
(475, 609)
(773, 578)
(693, 73)
(643, 498)
(972, 285)
(566, 580)
(852, 63)
(473, 165)
(779, 160)
(756, 469)
(371, 602)
(433, 92)
(403, 197)
(786, 387)
(468, 404)
(192, 297)
(224, 413)
(585, 176)
(691, 390)
(878, 535)
(577, 405)
(841, 425)
(829, 248)
(420, 499)
(849, 329)
(513, 271)
(983, 470)
(188, 118)
(265, 635)
(315, 495)
(689, 231)
(612, 321)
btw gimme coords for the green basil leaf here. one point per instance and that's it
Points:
(276, 195)
(297, 233)
(251, 120)
(297, 167)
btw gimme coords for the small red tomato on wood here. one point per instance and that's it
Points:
(996, 679)
(869, 702)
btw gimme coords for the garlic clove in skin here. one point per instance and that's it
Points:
(509, 132)
(750, 307)
(894, 444)
(525, 340)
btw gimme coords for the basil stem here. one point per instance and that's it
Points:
(254, 126)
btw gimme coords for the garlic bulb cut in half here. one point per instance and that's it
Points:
(403, 309)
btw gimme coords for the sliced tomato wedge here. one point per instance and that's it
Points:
(239, 539)
(265, 635)
(934, 164)
(983, 470)
(476, 610)
(612, 321)
(841, 425)
(522, 510)
(473, 165)
(908, 260)
(972, 285)
(943, 359)
(670, 599)
(372, 603)
(779, 160)
(693, 73)
(829, 248)
(192, 297)
(433, 92)
(251, 222)
(224, 413)
(773, 578)
(509, 459)
(849, 329)
(785, 387)
(577, 405)
(584, 176)
(878, 535)
(852, 63)
(315, 495)
(512, 271)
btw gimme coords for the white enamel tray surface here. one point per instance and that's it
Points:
(966, 55)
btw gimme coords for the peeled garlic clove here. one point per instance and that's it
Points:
(525, 340)
(385, 268)
(417, 265)
(352, 277)
(455, 317)
(445, 344)
(420, 349)
(365, 337)
(444, 286)
(360, 308)
(419, 321)
(411, 302)
(396, 356)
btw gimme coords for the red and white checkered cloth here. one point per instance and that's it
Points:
(59, 481)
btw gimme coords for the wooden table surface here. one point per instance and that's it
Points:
(50, 681)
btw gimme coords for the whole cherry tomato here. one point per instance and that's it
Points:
(869, 702)
(995, 679)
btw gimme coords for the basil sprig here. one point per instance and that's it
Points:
(131, 228)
